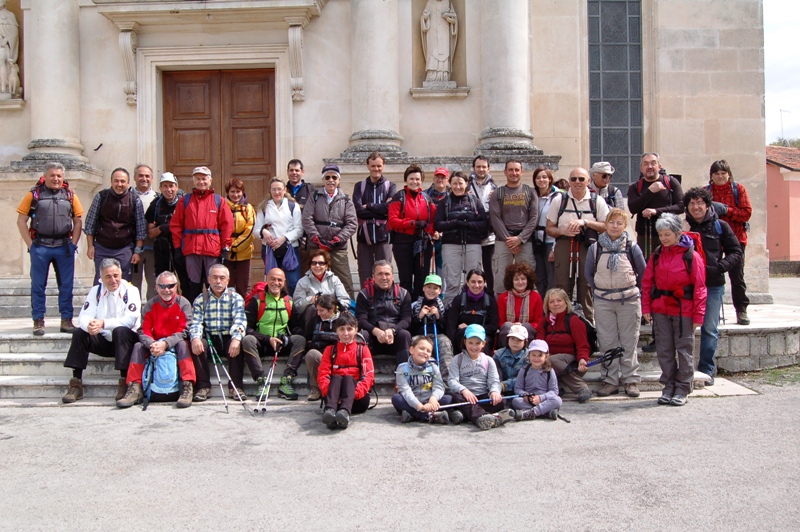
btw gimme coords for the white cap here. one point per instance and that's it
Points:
(168, 177)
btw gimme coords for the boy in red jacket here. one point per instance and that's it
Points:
(345, 375)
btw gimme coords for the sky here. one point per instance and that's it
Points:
(782, 68)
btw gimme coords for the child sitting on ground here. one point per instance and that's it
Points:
(510, 359)
(420, 386)
(428, 310)
(474, 377)
(537, 384)
(345, 375)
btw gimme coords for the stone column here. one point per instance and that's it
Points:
(54, 91)
(505, 77)
(374, 79)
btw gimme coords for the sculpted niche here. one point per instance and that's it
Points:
(439, 25)
(9, 53)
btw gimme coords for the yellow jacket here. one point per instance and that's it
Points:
(244, 218)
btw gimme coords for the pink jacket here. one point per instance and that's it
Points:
(671, 274)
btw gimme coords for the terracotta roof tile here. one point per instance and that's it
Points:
(784, 156)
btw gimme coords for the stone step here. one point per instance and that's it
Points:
(51, 342)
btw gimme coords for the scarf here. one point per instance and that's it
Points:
(523, 311)
(475, 297)
(552, 319)
(614, 247)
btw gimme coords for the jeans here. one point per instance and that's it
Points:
(709, 332)
(64, 259)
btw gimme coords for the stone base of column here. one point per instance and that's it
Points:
(506, 142)
(369, 140)
(68, 152)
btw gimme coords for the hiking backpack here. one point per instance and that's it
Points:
(667, 182)
(501, 195)
(161, 380)
(359, 357)
(482, 313)
(591, 330)
(36, 192)
(592, 206)
(259, 291)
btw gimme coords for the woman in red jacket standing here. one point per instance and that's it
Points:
(411, 214)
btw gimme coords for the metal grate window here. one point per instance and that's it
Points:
(615, 86)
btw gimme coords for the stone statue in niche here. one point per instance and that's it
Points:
(9, 52)
(439, 25)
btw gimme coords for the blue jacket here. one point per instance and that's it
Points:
(508, 365)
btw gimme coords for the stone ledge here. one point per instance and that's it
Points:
(439, 94)
(12, 104)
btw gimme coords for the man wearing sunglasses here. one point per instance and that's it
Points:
(602, 173)
(574, 219)
(165, 327)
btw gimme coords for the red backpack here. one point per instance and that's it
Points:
(259, 291)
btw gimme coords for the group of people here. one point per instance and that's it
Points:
(507, 259)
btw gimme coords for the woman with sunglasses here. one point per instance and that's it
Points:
(280, 226)
(317, 281)
(543, 243)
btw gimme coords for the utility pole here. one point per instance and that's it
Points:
(785, 142)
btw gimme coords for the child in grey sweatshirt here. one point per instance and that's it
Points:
(537, 384)
(420, 386)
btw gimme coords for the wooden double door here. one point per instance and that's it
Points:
(225, 120)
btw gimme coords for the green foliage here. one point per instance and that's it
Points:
(792, 143)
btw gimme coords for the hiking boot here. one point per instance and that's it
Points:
(607, 389)
(406, 417)
(314, 395)
(441, 417)
(261, 389)
(650, 348)
(505, 415)
(525, 415)
(122, 389)
(185, 400)
(665, 399)
(709, 380)
(631, 389)
(286, 390)
(456, 417)
(232, 393)
(678, 400)
(75, 391)
(487, 421)
(38, 327)
(133, 396)
(329, 418)
(67, 326)
(201, 395)
(584, 395)
(342, 418)
(553, 414)
(741, 318)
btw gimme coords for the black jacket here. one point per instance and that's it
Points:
(473, 312)
(461, 220)
(383, 308)
(720, 245)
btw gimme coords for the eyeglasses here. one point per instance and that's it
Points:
(606, 176)
(318, 263)
(330, 178)
(581, 179)
(169, 286)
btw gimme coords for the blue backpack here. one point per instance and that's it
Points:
(161, 380)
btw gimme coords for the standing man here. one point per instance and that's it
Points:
(481, 185)
(722, 253)
(55, 214)
(158, 216)
(115, 225)
(201, 230)
(652, 195)
(371, 198)
(601, 185)
(513, 210)
(298, 189)
(107, 324)
(143, 177)
(574, 220)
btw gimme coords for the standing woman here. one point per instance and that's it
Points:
(244, 218)
(280, 226)
(543, 243)
(614, 269)
(463, 223)
(674, 298)
(411, 215)
(733, 206)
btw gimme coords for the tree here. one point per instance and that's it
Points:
(792, 143)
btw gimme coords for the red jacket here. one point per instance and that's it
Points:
(535, 311)
(415, 207)
(202, 228)
(576, 343)
(347, 365)
(671, 275)
(737, 216)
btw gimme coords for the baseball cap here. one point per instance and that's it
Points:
(433, 279)
(168, 177)
(539, 345)
(475, 331)
(518, 331)
(601, 168)
(202, 170)
(441, 171)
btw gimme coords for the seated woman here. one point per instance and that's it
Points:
(317, 281)
(566, 335)
(473, 306)
(614, 269)
(674, 298)
(521, 303)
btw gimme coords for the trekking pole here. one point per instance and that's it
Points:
(436, 341)
(572, 267)
(455, 405)
(215, 359)
(432, 269)
(606, 358)
(265, 390)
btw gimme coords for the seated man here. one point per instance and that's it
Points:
(107, 324)
(219, 313)
(165, 327)
(268, 332)
(383, 310)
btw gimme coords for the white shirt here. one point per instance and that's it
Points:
(583, 205)
(284, 222)
(122, 308)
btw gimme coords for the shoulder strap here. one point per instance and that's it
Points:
(218, 200)
(735, 192)
(668, 182)
(291, 207)
(567, 319)
(562, 207)
(688, 256)
(501, 195)
(402, 204)
(287, 302)
(186, 198)
(593, 204)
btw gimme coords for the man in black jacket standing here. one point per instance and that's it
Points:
(371, 198)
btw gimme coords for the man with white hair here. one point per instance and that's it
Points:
(601, 184)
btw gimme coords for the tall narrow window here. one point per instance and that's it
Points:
(615, 85)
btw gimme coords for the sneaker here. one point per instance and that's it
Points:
(314, 395)
(741, 318)
(456, 417)
(487, 421)
(122, 389)
(678, 400)
(607, 389)
(201, 395)
(506, 415)
(665, 399)
(709, 380)
(342, 418)
(286, 390)
(650, 348)
(261, 383)
(185, 400)
(632, 389)
(553, 414)
(67, 326)
(406, 417)
(584, 395)
(133, 396)
(525, 415)
(38, 327)
(75, 392)
(441, 417)
(232, 393)
(329, 418)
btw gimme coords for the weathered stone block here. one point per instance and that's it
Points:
(759, 346)
(752, 59)
(738, 364)
(793, 343)
(713, 60)
(671, 107)
(740, 346)
(777, 344)
(740, 38)
(776, 362)
(723, 347)
(688, 38)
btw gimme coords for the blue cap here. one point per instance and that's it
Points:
(475, 331)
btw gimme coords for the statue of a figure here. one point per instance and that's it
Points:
(439, 25)
(9, 52)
